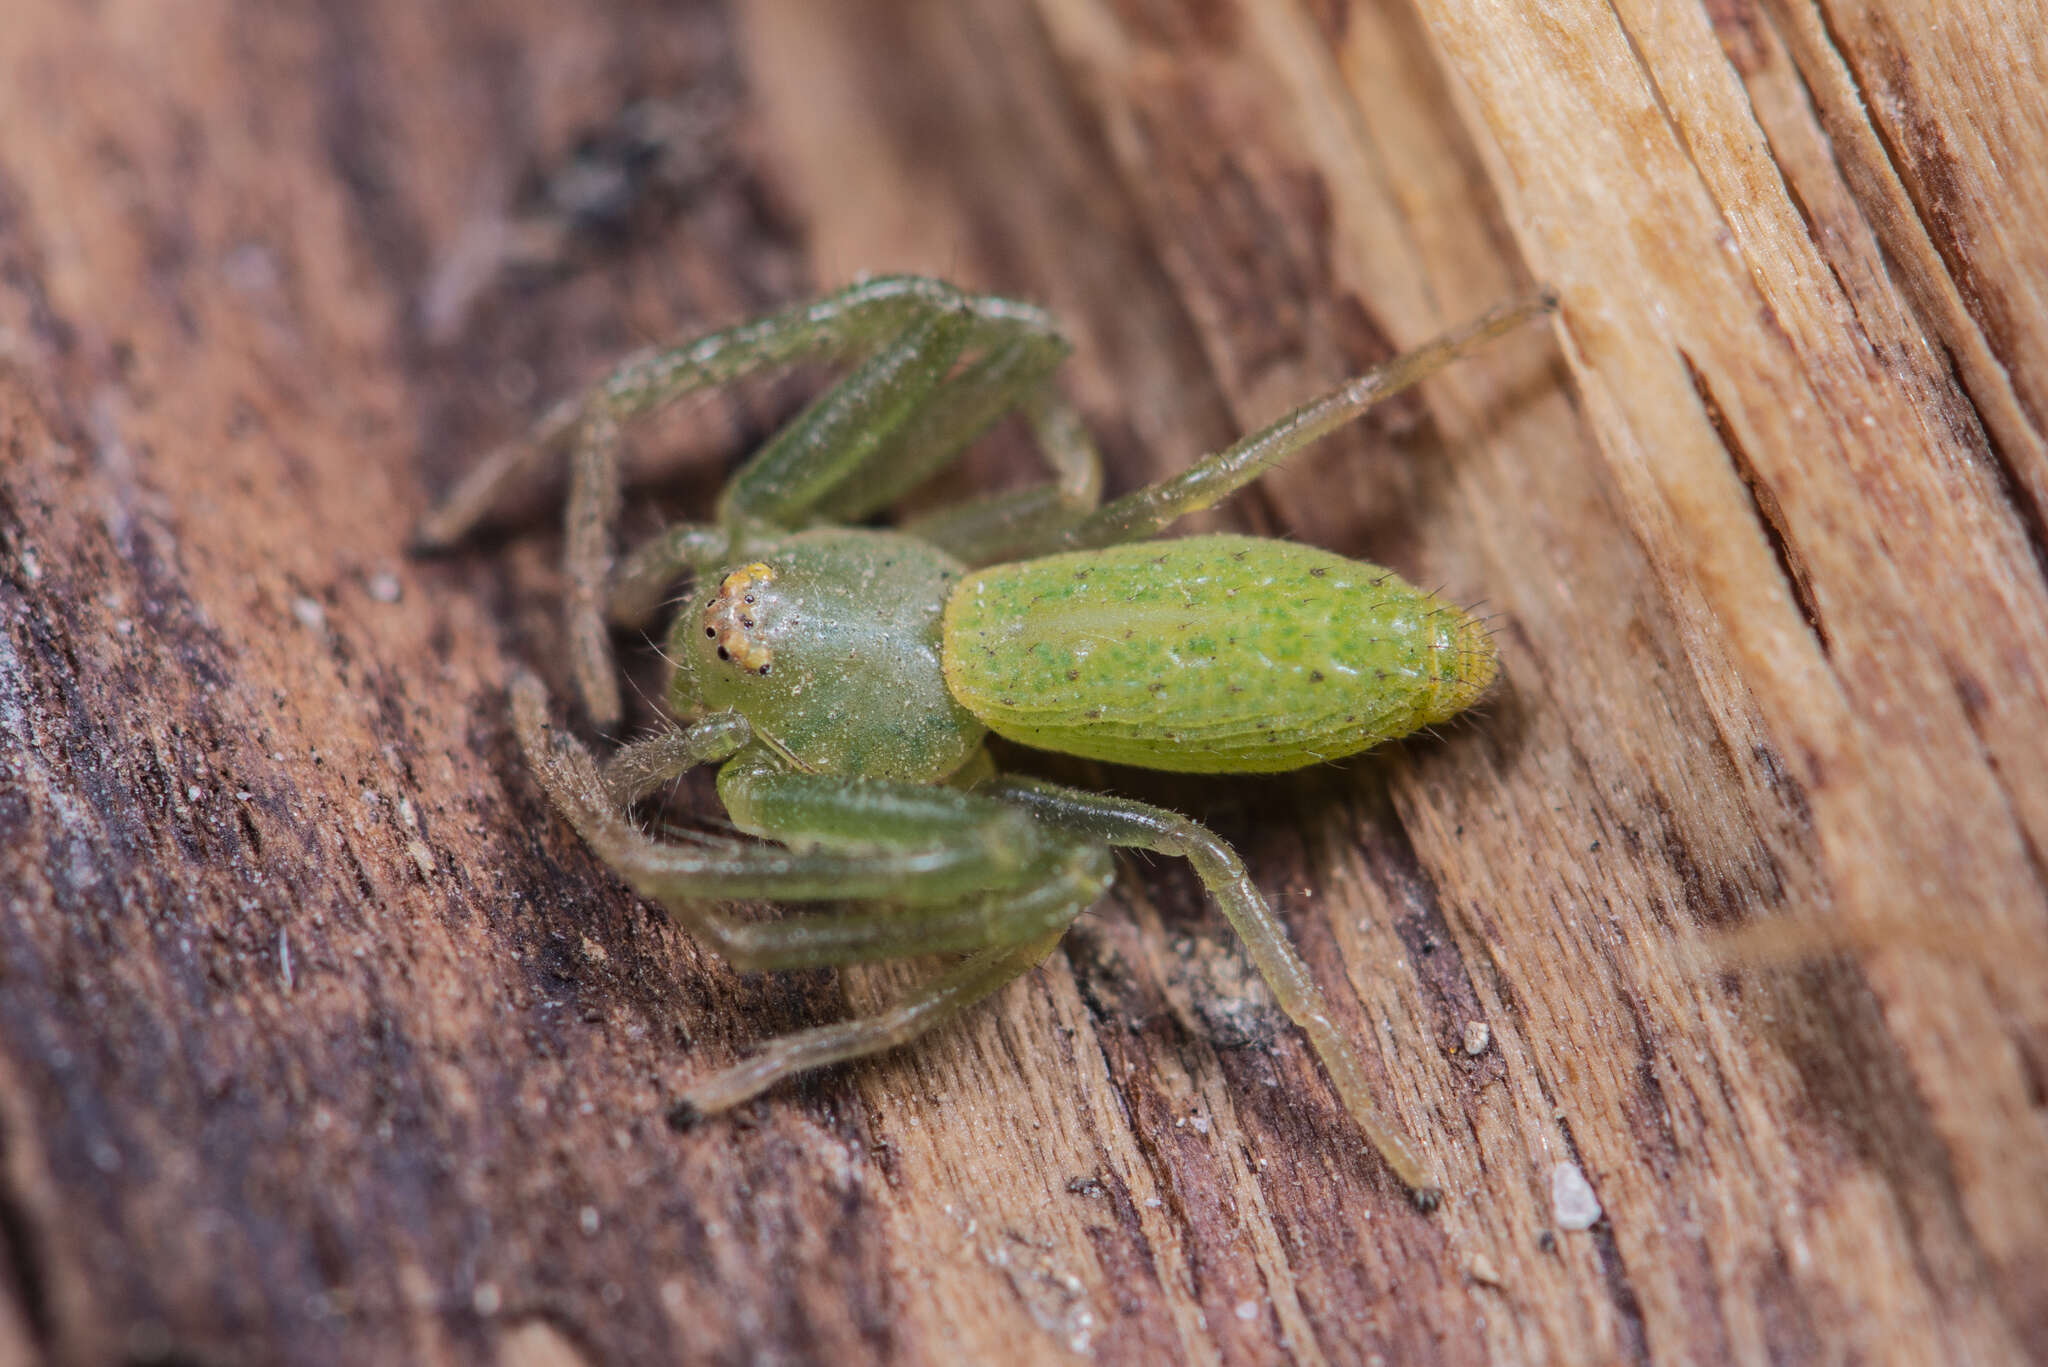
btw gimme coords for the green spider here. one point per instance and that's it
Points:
(847, 676)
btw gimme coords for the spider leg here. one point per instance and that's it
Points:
(983, 531)
(640, 587)
(1147, 511)
(594, 501)
(904, 414)
(951, 870)
(933, 1004)
(871, 931)
(1013, 374)
(1139, 825)
(845, 324)
(514, 465)
(844, 427)
(643, 768)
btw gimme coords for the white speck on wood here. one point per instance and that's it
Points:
(1573, 1204)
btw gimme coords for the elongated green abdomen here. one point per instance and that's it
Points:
(1208, 654)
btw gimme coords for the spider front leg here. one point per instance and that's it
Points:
(1015, 374)
(934, 869)
(846, 324)
(1141, 826)
(997, 527)
(1148, 511)
(910, 409)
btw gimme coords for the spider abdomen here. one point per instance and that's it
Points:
(1208, 654)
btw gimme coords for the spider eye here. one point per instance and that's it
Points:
(763, 671)
(728, 621)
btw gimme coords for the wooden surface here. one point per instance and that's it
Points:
(320, 1039)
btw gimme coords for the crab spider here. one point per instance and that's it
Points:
(846, 677)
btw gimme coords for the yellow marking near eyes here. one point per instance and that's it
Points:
(729, 617)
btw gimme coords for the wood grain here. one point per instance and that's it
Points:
(320, 1039)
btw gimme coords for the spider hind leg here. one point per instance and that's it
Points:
(934, 1003)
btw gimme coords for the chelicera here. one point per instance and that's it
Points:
(845, 677)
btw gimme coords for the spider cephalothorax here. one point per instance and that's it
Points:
(847, 677)
(828, 644)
